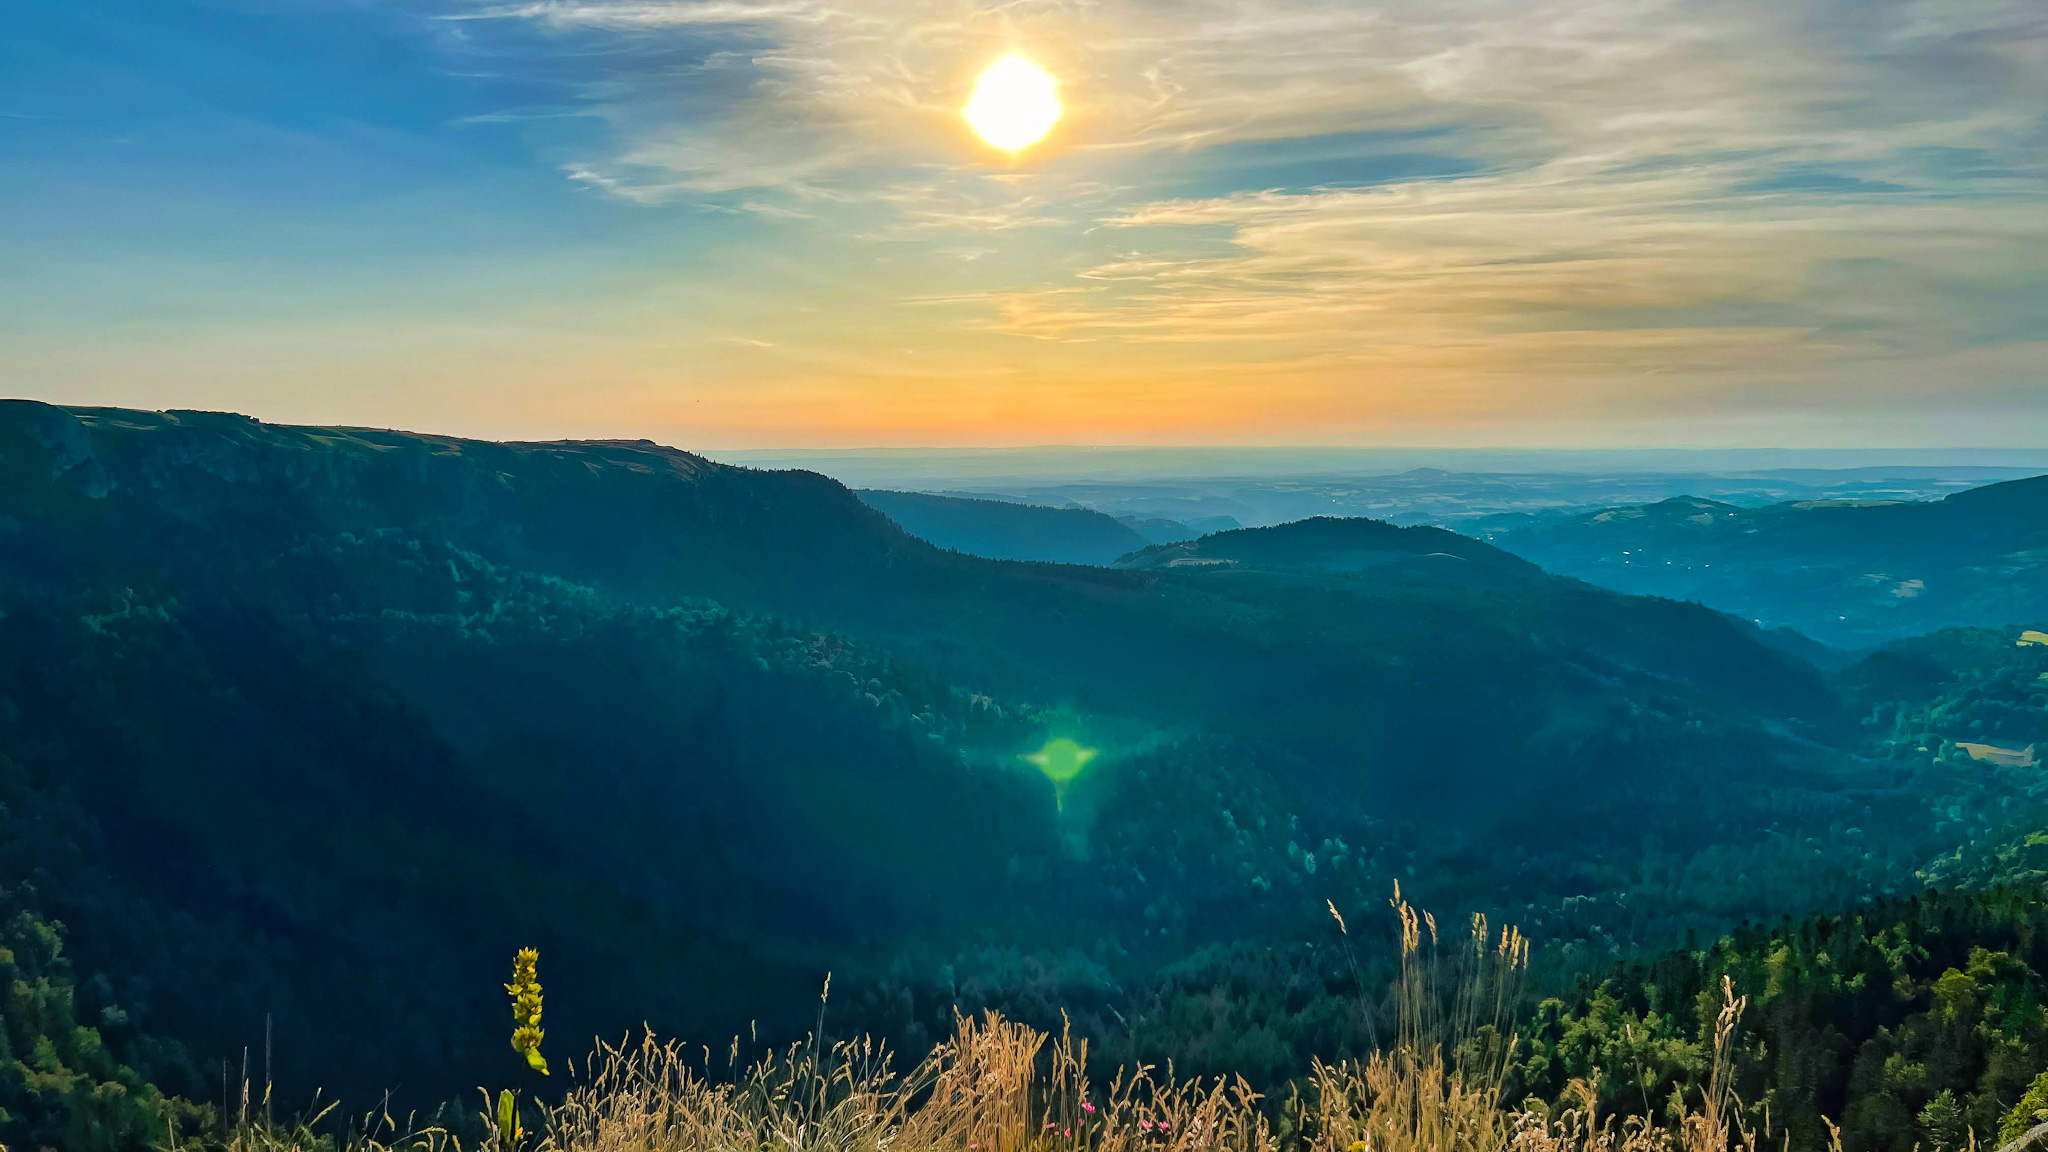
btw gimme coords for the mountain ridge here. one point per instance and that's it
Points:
(1346, 543)
(1007, 530)
(1851, 573)
(356, 702)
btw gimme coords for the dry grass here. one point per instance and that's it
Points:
(999, 1086)
(993, 1086)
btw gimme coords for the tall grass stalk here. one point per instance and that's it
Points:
(996, 1085)
(993, 1086)
(1441, 1085)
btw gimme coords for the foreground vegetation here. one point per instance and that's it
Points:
(994, 1085)
(1921, 1024)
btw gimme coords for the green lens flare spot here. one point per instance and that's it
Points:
(1061, 760)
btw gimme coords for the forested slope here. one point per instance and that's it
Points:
(1004, 530)
(340, 717)
(1851, 573)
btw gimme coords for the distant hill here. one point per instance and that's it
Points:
(1158, 529)
(1003, 530)
(1340, 544)
(1847, 572)
(321, 723)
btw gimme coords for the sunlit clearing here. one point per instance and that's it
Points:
(1061, 760)
(1014, 104)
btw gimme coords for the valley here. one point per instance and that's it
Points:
(363, 711)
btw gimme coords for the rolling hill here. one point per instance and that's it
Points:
(321, 723)
(1341, 544)
(1005, 530)
(1850, 573)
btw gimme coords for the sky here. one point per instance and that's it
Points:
(732, 224)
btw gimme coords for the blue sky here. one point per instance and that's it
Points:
(752, 223)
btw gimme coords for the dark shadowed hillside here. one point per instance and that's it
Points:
(1004, 530)
(219, 495)
(1342, 544)
(1851, 573)
(330, 720)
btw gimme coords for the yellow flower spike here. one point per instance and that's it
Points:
(526, 1007)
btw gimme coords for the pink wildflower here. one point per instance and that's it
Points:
(1087, 1107)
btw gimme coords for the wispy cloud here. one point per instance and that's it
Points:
(774, 92)
(1560, 247)
(637, 16)
(525, 115)
(1719, 193)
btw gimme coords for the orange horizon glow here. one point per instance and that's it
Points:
(1275, 221)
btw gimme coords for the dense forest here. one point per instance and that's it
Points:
(1850, 572)
(1005, 530)
(304, 731)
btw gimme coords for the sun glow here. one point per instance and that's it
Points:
(1015, 103)
(1062, 761)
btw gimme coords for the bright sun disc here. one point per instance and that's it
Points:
(1014, 104)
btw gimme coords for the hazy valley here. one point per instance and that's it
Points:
(308, 728)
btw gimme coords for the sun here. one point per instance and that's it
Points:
(1015, 103)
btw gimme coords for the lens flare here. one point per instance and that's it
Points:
(1062, 761)
(1015, 103)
